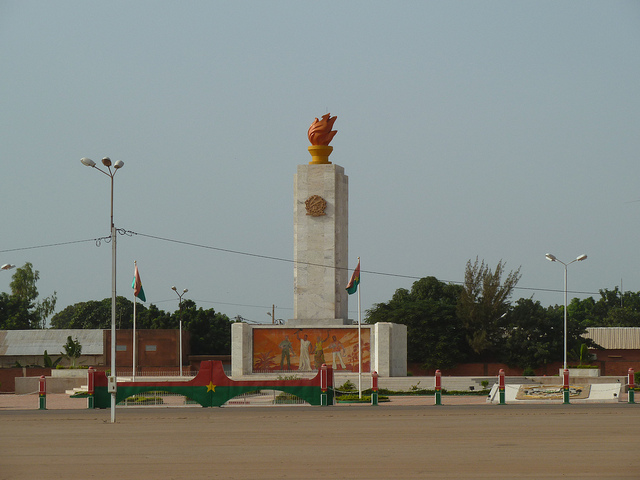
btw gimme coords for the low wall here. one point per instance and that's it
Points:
(607, 369)
(9, 375)
(26, 385)
(482, 370)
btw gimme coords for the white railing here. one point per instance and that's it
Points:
(165, 372)
(266, 397)
(167, 399)
(158, 399)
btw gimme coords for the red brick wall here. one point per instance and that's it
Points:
(8, 376)
(154, 348)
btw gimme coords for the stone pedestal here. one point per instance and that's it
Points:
(321, 220)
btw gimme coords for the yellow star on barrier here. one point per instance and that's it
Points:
(211, 387)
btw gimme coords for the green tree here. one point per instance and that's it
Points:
(210, 332)
(23, 288)
(612, 309)
(152, 318)
(15, 313)
(533, 335)
(435, 337)
(483, 302)
(72, 350)
(49, 362)
(97, 314)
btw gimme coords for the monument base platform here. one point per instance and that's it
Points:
(292, 348)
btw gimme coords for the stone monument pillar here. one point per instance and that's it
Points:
(320, 277)
(321, 234)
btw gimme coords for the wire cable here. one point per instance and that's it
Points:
(129, 233)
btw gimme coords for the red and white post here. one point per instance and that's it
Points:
(42, 392)
(374, 388)
(91, 387)
(438, 387)
(323, 385)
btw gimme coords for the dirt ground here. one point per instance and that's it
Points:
(403, 439)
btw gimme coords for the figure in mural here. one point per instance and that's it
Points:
(305, 345)
(287, 351)
(318, 351)
(337, 349)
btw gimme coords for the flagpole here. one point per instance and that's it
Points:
(135, 264)
(359, 344)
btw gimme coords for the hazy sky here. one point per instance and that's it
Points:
(496, 129)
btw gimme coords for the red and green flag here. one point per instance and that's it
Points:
(352, 287)
(138, 291)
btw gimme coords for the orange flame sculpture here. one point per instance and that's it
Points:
(320, 132)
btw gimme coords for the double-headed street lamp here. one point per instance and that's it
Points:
(552, 258)
(106, 161)
(180, 308)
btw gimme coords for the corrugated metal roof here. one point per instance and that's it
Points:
(35, 342)
(615, 338)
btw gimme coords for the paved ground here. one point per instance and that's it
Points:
(405, 439)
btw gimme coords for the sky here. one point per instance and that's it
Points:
(499, 130)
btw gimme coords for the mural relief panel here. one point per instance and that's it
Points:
(306, 349)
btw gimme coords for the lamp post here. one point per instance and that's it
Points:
(7, 266)
(180, 309)
(106, 161)
(552, 258)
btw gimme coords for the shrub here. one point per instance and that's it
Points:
(347, 386)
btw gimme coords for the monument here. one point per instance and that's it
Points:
(320, 234)
(320, 331)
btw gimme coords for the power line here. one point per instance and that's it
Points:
(268, 257)
(96, 240)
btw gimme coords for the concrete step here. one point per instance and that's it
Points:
(81, 389)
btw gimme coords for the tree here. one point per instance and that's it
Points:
(23, 287)
(97, 314)
(482, 303)
(91, 314)
(435, 337)
(49, 362)
(613, 309)
(210, 332)
(72, 350)
(533, 335)
(15, 313)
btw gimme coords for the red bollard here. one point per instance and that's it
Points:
(438, 387)
(42, 393)
(374, 388)
(565, 387)
(323, 385)
(632, 386)
(501, 386)
(91, 387)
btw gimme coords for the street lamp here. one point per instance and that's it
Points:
(180, 308)
(106, 161)
(7, 266)
(552, 258)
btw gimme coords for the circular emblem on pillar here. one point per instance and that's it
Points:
(315, 205)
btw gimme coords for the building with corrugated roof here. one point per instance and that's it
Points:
(620, 349)
(27, 347)
(154, 348)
